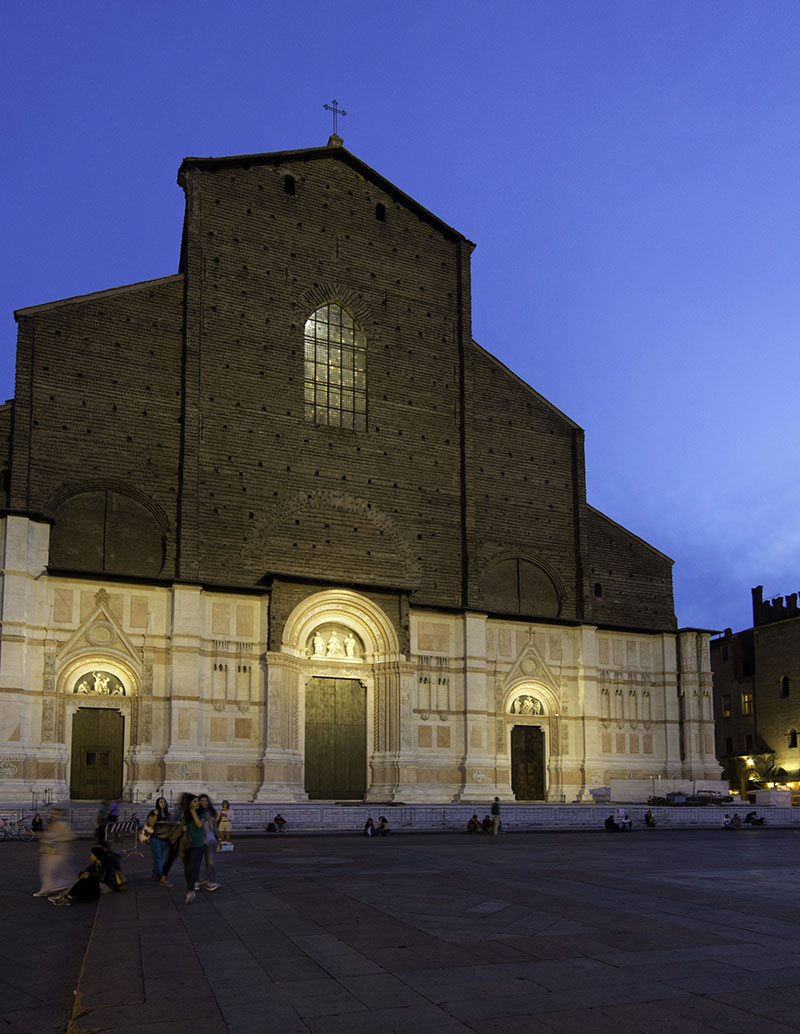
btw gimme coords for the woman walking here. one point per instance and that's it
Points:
(208, 813)
(194, 843)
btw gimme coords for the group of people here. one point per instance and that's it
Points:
(195, 832)
(379, 830)
(490, 823)
(475, 825)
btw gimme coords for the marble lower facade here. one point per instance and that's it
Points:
(133, 689)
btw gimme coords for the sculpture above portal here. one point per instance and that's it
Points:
(333, 642)
(99, 683)
(525, 704)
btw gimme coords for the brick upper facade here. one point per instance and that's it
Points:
(161, 426)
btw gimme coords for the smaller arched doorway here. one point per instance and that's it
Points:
(528, 746)
(98, 708)
(527, 763)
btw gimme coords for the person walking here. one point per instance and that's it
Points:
(495, 816)
(208, 813)
(194, 842)
(54, 855)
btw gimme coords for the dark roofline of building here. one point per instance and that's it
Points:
(109, 292)
(629, 532)
(331, 151)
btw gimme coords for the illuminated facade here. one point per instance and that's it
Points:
(277, 526)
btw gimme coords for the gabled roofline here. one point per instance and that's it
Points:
(629, 532)
(110, 292)
(310, 154)
(524, 384)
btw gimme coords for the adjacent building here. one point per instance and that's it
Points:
(757, 697)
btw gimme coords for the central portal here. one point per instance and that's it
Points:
(336, 740)
(527, 763)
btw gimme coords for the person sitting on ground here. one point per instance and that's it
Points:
(36, 824)
(626, 825)
(736, 821)
(280, 822)
(649, 820)
(103, 870)
(611, 825)
(383, 827)
(369, 828)
(474, 826)
(727, 822)
(486, 825)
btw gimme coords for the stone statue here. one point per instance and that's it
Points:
(335, 648)
(350, 644)
(83, 687)
(100, 683)
(319, 645)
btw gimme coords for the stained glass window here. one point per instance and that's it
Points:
(335, 369)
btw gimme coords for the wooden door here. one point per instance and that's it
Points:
(97, 745)
(336, 740)
(527, 763)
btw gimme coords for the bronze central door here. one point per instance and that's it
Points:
(97, 745)
(527, 763)
(336, 739)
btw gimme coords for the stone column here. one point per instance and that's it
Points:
(282, 761)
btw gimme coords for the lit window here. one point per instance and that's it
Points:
(747, 703)
(726, 705)
(335, 369)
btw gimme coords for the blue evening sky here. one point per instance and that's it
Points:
(629, 169)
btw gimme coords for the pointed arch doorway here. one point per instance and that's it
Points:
(335, 739)
(528, 763)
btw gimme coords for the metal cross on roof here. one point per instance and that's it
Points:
(332, 107)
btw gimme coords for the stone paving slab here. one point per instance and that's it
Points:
(686, 932)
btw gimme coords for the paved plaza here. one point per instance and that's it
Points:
(651, 932)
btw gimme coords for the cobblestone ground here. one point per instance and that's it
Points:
(650, 932)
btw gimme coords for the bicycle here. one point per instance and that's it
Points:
(12, 830)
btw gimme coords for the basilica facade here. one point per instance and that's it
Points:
(277, 526)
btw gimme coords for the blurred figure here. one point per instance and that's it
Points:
(208, 813)
(224, 824)
(54, 855)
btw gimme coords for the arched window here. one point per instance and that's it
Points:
(335, 369)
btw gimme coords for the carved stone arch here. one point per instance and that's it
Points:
(329, 292)
(538, 690)
(350, 609)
